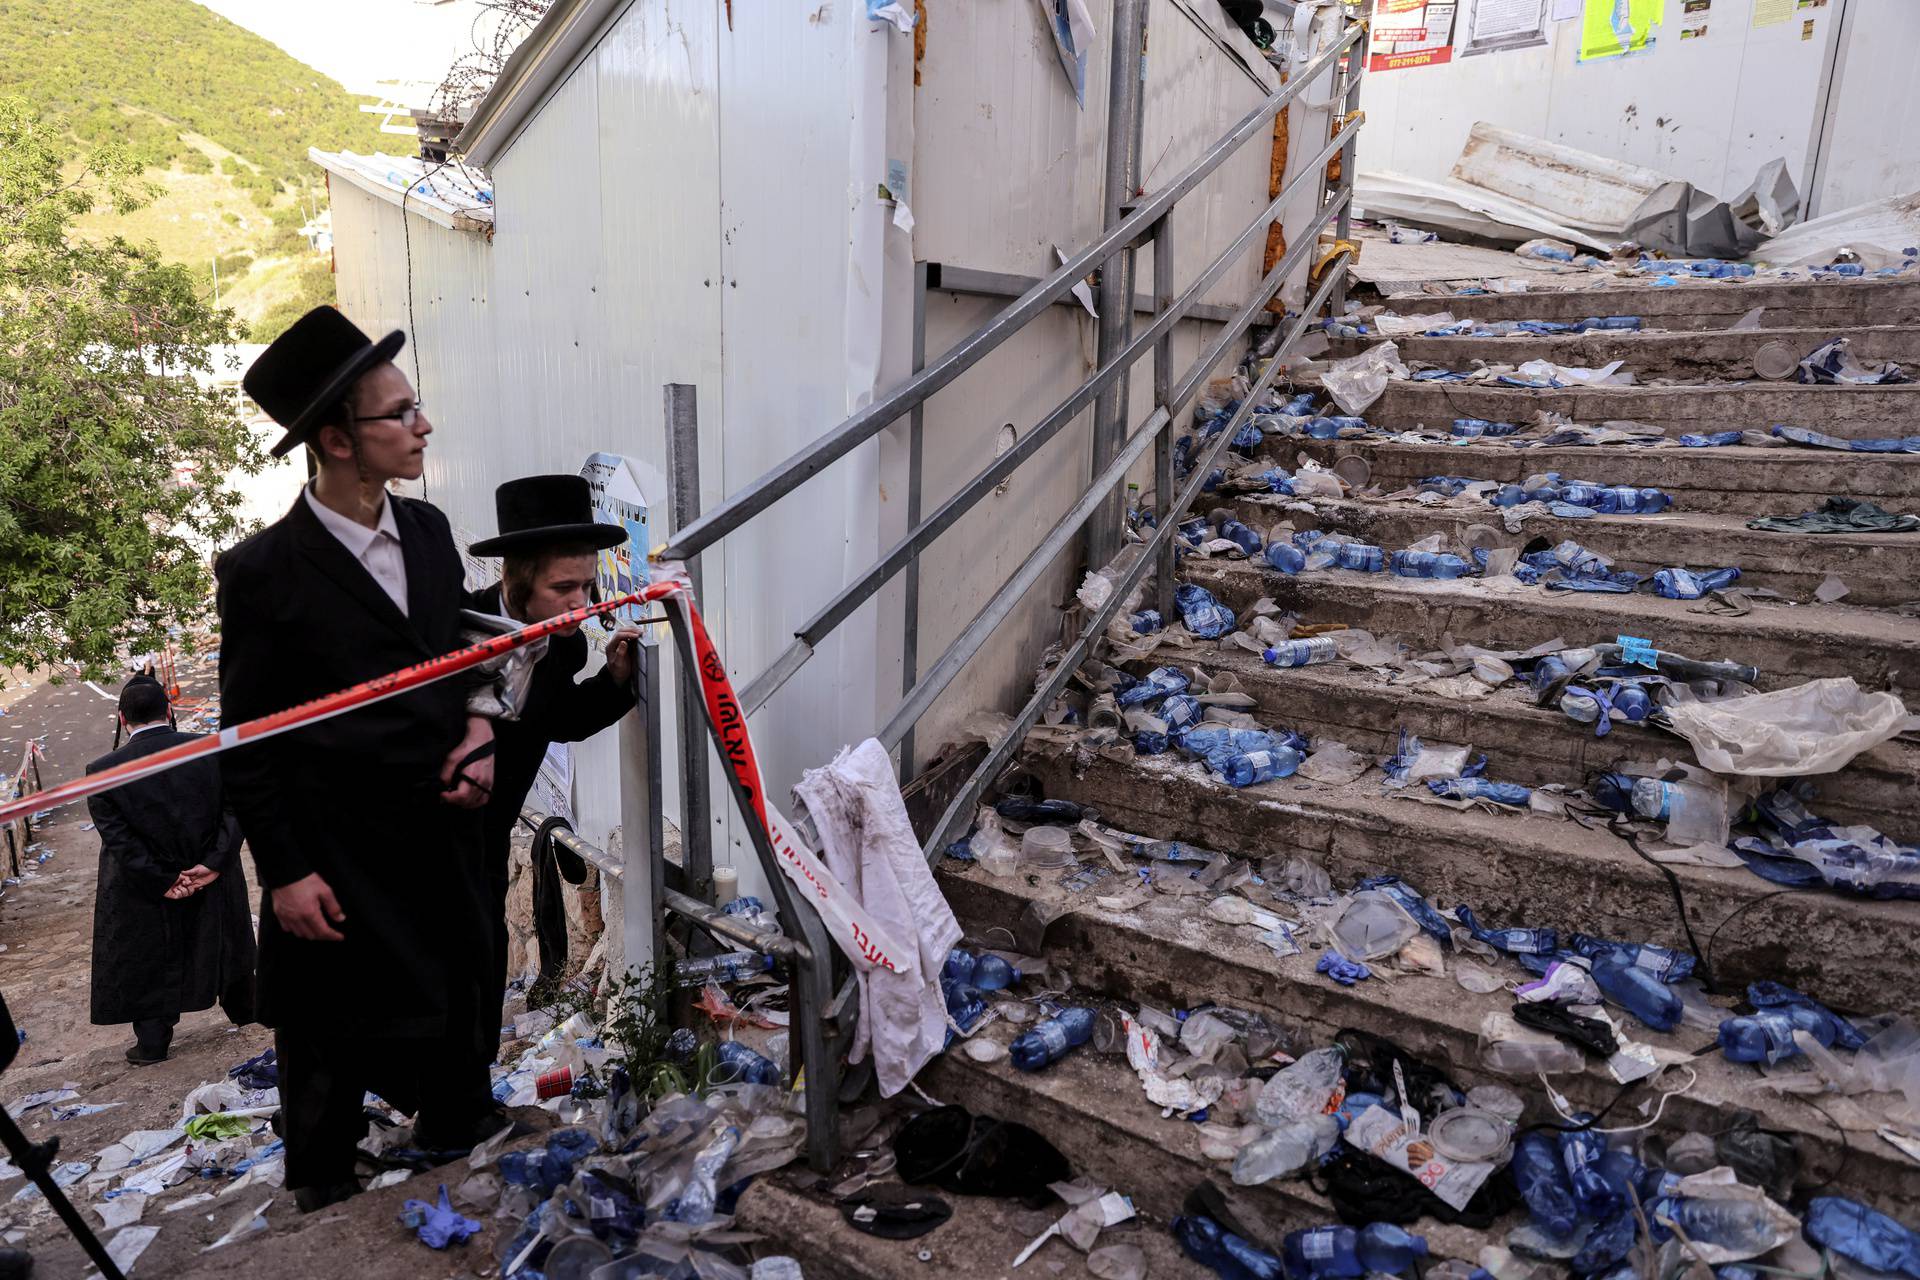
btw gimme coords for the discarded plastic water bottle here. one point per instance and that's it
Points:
(1659, 801)
(731, 967)
(1626, 500)
(1767, 1036)
(1581, 1152)
(1181, 712)
(1542, 1183)
(1546, 673)
(1663, 963)
(1240, 536)
(1158, 683)
(1689, 584)
(1609, 323)
(1204, 616)
(1514, 942)
(1052, 1039)
(1212, 1245)
(1300, 653)
(965, 1004)
(1256, 767)
(994, 974)
(1428, 564)
(959, 965)
(1147, 621)
(1323, 1253)
(1149, 743)
(1285, 1150)
(744, 1066)
(1509, 793)
(751, 910)
(1360, 557)
(1712, 440)
(1630, 699)
(1744, 1228)
(1639, 993)
(1285, 557)
(1864, 1235)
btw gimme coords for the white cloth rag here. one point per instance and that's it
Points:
(868, 843)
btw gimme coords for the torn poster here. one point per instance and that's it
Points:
(1618, 28)
(1072, 26)
(1410, 33)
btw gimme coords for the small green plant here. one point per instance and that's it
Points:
(634, 1012)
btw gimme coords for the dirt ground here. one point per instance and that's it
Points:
(46, 944)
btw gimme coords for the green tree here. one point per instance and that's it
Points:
(101, 544)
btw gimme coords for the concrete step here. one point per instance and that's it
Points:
(1170, 954)
(1712, 354)
(1533, 745)
(1092, 1108)
(1787, 643)
(1850, 413)
(1715, 304)
(1735, 480)
(1513, 869)
(1879, 569)
(982, 1238)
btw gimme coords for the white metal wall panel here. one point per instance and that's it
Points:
(1871, 151)
(1711, 110)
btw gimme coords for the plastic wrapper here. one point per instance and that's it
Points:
(1813, 728)
(1355, 383)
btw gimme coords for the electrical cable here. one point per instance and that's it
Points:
(1553, 1096)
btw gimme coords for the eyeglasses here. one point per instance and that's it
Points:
(406, 417)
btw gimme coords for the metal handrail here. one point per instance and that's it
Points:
(882, 413)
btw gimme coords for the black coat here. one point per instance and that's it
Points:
(153, 957)
(355, 798)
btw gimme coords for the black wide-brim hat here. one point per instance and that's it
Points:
(310, 368)
(540, 511)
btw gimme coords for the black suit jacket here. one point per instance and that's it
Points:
(355, 798)
(152, 956)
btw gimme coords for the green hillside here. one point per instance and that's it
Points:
(88, 60)
(222, 118)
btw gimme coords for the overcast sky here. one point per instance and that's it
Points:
(361, 42)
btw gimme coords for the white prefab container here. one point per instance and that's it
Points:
(673, 194)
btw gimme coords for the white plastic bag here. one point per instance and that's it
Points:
(1356, 382)
(1812, 728)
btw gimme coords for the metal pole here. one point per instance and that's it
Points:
(648, 678)
(1356, 58)
(1116, 278)
(683, 470)
(916, 440)
(1162, 393)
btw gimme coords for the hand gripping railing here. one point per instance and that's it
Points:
(822, 1017)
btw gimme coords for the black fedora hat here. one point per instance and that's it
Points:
(538, 511)
(310, 368)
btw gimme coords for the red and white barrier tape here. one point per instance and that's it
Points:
(866, 944)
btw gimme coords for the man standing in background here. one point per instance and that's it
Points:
(171, 930)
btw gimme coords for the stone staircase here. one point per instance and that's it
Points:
(1512, 868)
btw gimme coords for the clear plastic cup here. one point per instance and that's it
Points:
(1047, 847)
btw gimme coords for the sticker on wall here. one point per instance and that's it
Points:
(1806, 29)
(1410, 33)
(1771, 13)
(1618, 28)
(1494, 26)
(1693, 32)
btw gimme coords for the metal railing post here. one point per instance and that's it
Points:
(1116, 273)
(1353, 74)
(696, 809)
(916, 439)
(1162, 394)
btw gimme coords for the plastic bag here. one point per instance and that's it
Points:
(1812, 728)
(1356, 382)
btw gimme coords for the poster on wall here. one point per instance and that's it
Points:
(1693, 18)
(1618, 28)
(1771, 13)
(553, 786)
(1411, 33)
(1494, 26)
(619, 500)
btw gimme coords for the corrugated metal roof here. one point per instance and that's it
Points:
(455, 196)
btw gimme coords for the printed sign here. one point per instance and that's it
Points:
(1618, 28)
(1410, 33)
(619, 500)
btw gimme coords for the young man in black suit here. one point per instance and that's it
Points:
(365, 828)
(549, 544)
(171, 932)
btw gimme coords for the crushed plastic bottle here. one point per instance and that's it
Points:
(1514, 942)
(1427, 564)
(1361, 557)
(1663, 963)
(1767, 1036)
(1286, 557)
(1692, 584)
(1639, 993)
(1542, 1182)
(742, 1065)
(1157, 683)
(1342, 1253)
(730, 967)
(1255, 767)
(1863, 1235)
(1507, 793)
(1146, 622)
(1743, 1228)
(1052, 1039)
(1239, 535)
(1204, 616)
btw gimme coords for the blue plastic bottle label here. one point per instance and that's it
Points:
(1641, 652)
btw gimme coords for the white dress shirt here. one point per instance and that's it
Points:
(377, 549)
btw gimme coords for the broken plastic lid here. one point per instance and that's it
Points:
(1470, 1135)
(1775, 361)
